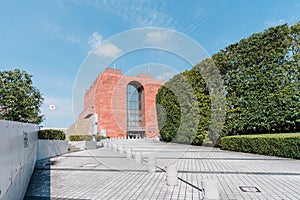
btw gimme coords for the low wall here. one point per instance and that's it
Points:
(84, 145)
(18, 154)
(51, 148)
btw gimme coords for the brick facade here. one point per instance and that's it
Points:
(107, 98)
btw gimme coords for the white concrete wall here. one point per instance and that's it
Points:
(94, 124)
(17, 158)
(78, 144)
(90, 144)
(51, 148)
(84, 145)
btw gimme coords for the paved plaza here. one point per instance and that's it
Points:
(105, 173)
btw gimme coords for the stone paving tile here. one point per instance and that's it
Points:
(107, 174)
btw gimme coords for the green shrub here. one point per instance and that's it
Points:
(81, 138)
(198, 140)
(261, 77)
(283, 145)
(207, 142)
(183, 109)
(100, 137)
(51, 134)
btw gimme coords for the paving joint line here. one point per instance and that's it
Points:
(92, 170)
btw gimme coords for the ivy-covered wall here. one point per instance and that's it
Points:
(261, 75)
(261, 84)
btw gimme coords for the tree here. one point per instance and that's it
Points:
(19, 100)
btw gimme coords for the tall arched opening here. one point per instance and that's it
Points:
(135, 110)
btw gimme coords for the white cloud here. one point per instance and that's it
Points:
(105, 49)
(108, 50)
(196, 18)
(139, 13)
(158, 36)
(94, 40)
(72, 39)
(58, 32)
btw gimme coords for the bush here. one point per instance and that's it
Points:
(283, 145)
(207, 142)
(198, 140)
(51, 134)
(100, 137)
(183, 108)
(81, 138)
(261, 77)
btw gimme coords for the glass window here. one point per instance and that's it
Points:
(134, 106)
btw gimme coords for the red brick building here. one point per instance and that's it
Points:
(125, 104)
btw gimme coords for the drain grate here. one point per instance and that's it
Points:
(249, 189)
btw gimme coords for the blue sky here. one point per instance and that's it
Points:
(52, 39)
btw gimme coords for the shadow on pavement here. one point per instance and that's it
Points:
(39, 186)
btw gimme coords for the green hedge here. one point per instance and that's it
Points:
(283, 145)
(51, 134)
(261, 83)
(100, 137)
(183, 108)
(261, 76)
(81, 138)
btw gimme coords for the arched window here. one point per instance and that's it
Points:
(135, 110)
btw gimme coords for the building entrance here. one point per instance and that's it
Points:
(135, 134)
(135, 110)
